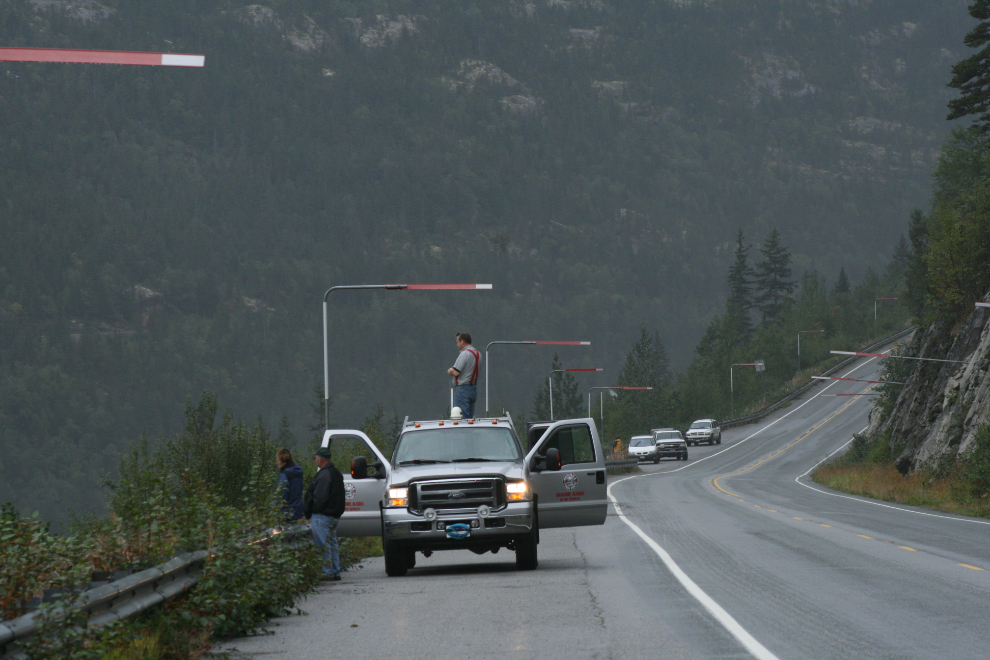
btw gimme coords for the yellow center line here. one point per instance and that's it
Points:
(866, 537)
(796, 518)
(975, 568)
(824, 525)
(785, 448)
(773, 511)
(904, 547)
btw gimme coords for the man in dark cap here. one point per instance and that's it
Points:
(324, 505)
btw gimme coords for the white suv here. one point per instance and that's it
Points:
(704, 430)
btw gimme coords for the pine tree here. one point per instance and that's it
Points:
(917, 271)
(971, 76)
(773, 278)
(285, 436)
(842, 283)
(740, 302)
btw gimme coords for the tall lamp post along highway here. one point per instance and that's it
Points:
(601, 401)
(387, 287)
(799, 343)
(528, 343)
(550, 379)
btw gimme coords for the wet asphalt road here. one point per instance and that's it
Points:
(801, 571)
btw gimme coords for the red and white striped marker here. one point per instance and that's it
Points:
(560, 343)
(74, 56)
(854, 394)
(982, 304)
(582, 369)
(900, 357)
(858, 380)
(446, 287)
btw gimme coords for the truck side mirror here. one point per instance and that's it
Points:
(379, 470)
(553, 459)
(359, 467)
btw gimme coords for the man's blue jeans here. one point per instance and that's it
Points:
(464, 398)
(325, 533)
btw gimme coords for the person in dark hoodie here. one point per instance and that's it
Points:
(290, 484)
(324, 505)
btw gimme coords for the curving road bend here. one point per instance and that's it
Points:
(733, 554)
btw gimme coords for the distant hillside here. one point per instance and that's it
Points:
(170, 231)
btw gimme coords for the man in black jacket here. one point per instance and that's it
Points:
(324, 505)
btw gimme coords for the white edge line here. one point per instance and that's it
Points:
(798, 478)
(724, 618)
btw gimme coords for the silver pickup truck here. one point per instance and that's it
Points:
(470, 485)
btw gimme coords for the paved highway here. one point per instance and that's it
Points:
(731, 555)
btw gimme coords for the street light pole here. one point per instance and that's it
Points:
(538, 343)
(387, 287)
(799, 344)
(550, 379)
(875, 315)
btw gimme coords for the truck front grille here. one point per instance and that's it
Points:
(457, 494)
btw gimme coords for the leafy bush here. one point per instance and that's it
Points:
(211, 487)
(974, 468)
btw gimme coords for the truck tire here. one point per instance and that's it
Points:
(526, 554)
(396, 558)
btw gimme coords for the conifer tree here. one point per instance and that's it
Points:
(740, 302)
(971, 76)
(842, 283)
(773, 278)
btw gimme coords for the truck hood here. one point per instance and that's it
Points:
(407, 473)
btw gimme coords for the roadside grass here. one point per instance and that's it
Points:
(961, 487)
(354, 550)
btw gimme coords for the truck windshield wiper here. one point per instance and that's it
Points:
(472, 460)
(421, 461)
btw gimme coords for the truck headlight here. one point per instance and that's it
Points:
(516, 490)
(398, 497)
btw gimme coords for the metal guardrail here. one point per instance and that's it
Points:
(128, 596)
(760, 414)
(621, 463)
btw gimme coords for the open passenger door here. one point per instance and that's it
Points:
(574, 494)
(363, 496)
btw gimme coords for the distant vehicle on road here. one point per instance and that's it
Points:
(670, 443)
(643, 448)
(469, 484)
(704, 430)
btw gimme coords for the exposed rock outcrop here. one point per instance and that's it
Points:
(942, 404)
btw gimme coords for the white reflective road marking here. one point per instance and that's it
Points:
(724, 618)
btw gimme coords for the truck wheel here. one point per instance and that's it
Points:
(396, 564)
(526, 556)
(719, 441)
(657, 459)
(410, 558)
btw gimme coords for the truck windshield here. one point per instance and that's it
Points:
(669, 435)
(701, 425)
(454, 444)
(645, 441)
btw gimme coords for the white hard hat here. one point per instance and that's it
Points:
(455, 413)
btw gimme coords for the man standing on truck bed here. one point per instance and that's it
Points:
(465, 373)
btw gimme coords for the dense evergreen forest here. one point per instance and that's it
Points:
(165, 232)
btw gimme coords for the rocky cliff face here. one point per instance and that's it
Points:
(942, 405)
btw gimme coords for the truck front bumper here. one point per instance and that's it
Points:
(499, 527)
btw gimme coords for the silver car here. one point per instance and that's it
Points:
(643, 448)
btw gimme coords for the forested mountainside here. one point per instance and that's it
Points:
(170, 231)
